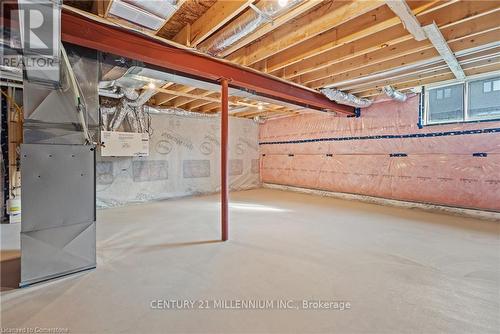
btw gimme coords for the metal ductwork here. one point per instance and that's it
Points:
(41, 55)
(124, 103)
(114, 94)
(394, 94)
(177, 112)
(121, 100)
(151, 14)
(259, 120)
(346, 98)
(266, 12)
(11, 73)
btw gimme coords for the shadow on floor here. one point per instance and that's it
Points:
(10, 270)
(179, 244)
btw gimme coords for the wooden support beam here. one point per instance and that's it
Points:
(214, 18)
(468, 58)
(197, 103)
(208, 93)
(390, 39)
(460, 38)
(179, 5)
(432, 77)
(268, 27)
(184, 36)
(182, 100)
(436, 37)
(175, 93)
(408, 19)
(321, 19)
(378, 62)
(103, 7)
(209, 106)
(375, 29)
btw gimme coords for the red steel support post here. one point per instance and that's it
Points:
(224, 139)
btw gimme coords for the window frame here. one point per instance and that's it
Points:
(466, 116)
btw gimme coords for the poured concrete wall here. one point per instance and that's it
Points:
(434, 164)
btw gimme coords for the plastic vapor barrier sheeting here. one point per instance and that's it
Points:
(384, 153)
(184, 160)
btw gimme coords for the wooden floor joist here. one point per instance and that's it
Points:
(326, 43)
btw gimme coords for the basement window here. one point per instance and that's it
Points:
(445, 104)
(484, 103)
(473, 100)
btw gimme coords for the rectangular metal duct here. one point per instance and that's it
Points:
(137, 15)
(137, 73)
(161, 8)
(58, 228)
(40, 35)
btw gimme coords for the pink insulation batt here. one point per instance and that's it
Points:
(433, 164)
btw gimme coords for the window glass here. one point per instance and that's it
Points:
(446, 104)
(496, 85)
(484, 103)
(486, 86)
(439, 94)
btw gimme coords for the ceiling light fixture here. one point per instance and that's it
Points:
(151, 85)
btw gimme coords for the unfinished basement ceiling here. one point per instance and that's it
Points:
(356, 46)
(189, 12)
(176, 91)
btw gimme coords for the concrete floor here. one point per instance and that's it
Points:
(403, 271)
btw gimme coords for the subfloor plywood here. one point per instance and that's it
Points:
(402, 270)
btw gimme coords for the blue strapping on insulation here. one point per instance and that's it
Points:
(357, 113)
(410, 135)
(480, 154)
(393, 155)
(420, 123)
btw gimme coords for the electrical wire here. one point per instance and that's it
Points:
(11, 100)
